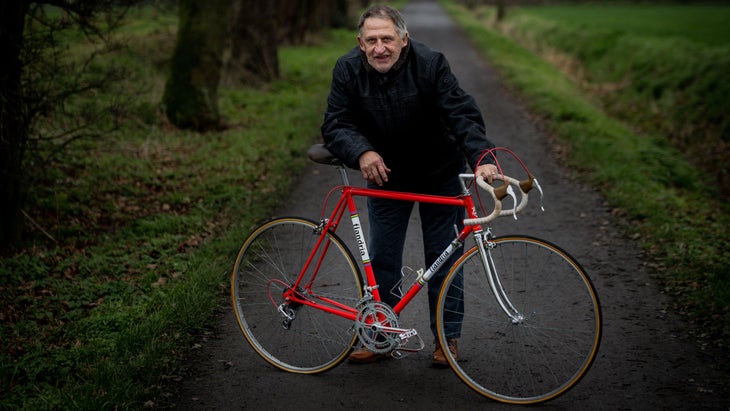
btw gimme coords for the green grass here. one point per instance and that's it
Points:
(668, 86)
(705, 24)
(673, 209)
(146, 223)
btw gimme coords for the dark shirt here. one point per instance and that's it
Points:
(415, 116)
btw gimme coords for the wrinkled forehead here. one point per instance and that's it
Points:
(377, 26)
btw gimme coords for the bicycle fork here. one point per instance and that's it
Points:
(485, 252)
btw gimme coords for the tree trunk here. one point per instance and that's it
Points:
(340, 15)
(300, 18)
(501, 10)
(292, 21)
(13, 122)
(191, 92)
(254, 49)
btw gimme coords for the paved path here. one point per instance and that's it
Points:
(646, 361)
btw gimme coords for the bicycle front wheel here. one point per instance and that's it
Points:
(295, 337)
(549, 340)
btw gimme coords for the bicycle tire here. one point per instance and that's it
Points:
(533, 360)
(268, 262)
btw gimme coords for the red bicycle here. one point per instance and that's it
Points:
(531, 323)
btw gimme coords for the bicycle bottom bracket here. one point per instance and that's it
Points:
(374, 324)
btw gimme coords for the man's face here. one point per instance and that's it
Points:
(381, 43)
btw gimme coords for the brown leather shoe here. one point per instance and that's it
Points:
(439, 359)
(365, 356)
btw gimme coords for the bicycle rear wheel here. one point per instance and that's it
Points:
(267, 265)
(541, 354)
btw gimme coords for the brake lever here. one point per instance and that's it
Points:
(511, 193)
(540, 190)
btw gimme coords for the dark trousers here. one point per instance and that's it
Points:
(388, 226)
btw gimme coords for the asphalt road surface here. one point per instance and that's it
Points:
(647, 359)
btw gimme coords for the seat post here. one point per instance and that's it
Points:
(343, 175)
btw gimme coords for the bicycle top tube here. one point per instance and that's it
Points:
(320, 154)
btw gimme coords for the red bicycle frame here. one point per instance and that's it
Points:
(299, 294)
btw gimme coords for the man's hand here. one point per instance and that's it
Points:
(373, 168)
(488, 171)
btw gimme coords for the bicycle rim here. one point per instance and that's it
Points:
(539, 357)
(269, 261)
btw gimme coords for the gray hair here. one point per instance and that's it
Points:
(385, 12)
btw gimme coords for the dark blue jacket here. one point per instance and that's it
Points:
(415, 116)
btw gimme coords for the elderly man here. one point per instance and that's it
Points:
(396, 112)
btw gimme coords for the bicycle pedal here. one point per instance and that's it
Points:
(398, 354)
(403, 352)
(410, 342)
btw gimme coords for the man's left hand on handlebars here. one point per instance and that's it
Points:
(488, 171)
